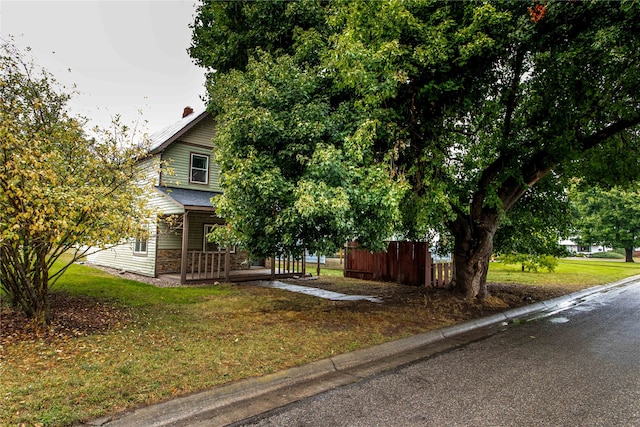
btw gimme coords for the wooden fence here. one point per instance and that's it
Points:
(409, 263)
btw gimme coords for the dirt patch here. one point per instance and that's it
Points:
(441, 302)
(72, 316)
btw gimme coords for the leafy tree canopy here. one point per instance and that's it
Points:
(609, 217)
(471, 104)
(291, 175)
(60, 192)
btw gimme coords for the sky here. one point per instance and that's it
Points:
(125, 57)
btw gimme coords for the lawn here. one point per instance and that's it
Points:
(570, 273)
(118, 343)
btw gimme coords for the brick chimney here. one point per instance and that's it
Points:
(187, 111)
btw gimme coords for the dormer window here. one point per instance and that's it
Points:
(199, 170)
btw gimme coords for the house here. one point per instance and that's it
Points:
(184, 212)
(575, 248)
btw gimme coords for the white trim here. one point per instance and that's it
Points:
(139, 244)
(206, 169)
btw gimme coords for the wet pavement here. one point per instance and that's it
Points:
(578, 364)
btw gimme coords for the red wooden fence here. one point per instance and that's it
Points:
(409, 263)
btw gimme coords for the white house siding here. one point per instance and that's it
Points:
(150, 168)
(573, 247)
(178, 157)
(122, 256)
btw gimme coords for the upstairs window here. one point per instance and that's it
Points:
(199, 169)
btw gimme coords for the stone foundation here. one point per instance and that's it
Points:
(168, 261)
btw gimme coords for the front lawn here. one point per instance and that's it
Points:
(569, 274)
(116, 344)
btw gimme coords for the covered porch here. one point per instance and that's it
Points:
(185, 232)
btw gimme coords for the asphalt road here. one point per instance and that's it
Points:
(576, 367)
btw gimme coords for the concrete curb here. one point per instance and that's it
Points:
(251, 397)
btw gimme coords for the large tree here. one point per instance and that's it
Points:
(291, 180)
(609, 217)
(472, 103)
(294, 171)
(60, 191)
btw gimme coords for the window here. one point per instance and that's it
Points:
(140, 246)
(199, 170)
(208, 246)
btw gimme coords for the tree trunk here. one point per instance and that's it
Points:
(628, 254)
(473, 246)
(25, 279)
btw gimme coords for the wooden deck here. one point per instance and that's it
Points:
(254, 273)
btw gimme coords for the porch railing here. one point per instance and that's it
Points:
(287, 265)
(208, 265)
(203, 265)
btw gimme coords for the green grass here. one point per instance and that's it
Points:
(176, 341)
(569, 273)
(331, 272)
(180, 340)
(132, 293)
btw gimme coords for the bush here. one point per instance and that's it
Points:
(531, 262)
(607, 255)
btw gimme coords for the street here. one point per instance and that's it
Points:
(576, 367)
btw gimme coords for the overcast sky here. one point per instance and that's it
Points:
(124, 56)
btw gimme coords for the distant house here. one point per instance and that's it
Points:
(576, 248)
(183, 201)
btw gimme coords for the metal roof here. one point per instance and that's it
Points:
(161, 139)
(190, 199)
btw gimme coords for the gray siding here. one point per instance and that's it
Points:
(202, 133)
(173, 239)
(178, 157)
(197, 140)
(197, 222)
(168, 239)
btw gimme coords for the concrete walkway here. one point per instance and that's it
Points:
(244, 399)
(320, 293)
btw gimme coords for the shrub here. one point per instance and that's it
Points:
(607, 255)
(531, 262)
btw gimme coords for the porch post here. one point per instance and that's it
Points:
(185, 247)
(304, 261)
(227, 263)
(273, 267)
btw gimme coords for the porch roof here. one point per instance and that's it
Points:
(194, 200)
